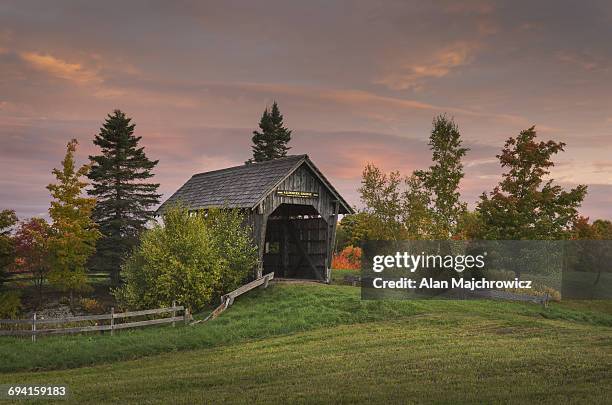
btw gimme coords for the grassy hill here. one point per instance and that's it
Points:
(315, 343)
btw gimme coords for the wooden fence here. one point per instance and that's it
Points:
(22, 276)
(228, 299)
(110, 324)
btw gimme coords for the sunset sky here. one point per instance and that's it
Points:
(357, 82)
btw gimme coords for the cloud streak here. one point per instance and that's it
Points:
(73, 72)
(413, 74)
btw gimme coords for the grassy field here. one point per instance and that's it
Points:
(315, 343)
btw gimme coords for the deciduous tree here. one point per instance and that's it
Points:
(441, 180)
(7, 250)
(381, 195)
(525, 205)
(396, 208)
(190, 258)
(234, 243)
(74, 231)
(592, 249)
(32, 250)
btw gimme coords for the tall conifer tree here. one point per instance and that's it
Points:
(124, 198)
(271, 142)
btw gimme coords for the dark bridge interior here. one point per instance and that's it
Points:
(296, 243)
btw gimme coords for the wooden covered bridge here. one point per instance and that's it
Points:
(289, 204)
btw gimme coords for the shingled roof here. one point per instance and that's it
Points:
(241, 186)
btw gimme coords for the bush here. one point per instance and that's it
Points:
(235, 244)
(190, 259)
(92, 306)
(538, 289)
(10, 305)
(348, 259)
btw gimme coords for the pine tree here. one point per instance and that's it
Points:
(124, 199)
(74, 233)
(271, 142)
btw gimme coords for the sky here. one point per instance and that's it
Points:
(357, 82)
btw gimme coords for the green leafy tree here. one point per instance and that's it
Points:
(424, 205)
(441, 180)
(382, 197)
(74, 232)
(418, 217)
(10, 304)
(396, 208)
(603, 233)
(342, 236)
(524, 205)
(234, 242)
(125, 200)
(362, 227)
(470, 226)
(191, 258)
(7, 248)
(603, 229)
(591, 251)
(271, 141)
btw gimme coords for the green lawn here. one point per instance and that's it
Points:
(316, 343)
(337, 276)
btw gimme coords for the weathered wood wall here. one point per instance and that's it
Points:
(301, 180)
(317, 234)
(282, 254)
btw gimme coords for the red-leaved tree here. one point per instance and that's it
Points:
(348, 259)
(32, 251)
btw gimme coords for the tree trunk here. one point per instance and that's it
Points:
(72, 301)
(598, 277)
(40, 282)
(115, 277)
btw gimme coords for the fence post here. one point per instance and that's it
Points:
(112, 320)
(173, 313)
(34, 327)
(186, 316)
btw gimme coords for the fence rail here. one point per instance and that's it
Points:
(228, 299)
(111, 326)
(22, 276)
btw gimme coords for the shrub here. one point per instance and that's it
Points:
(10, 305)
(92, 306)
(538, 289)
(190, 259)
(348, 259)
(235, 245)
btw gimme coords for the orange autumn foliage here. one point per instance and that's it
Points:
(348, 259)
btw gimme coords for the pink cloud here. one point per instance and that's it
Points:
(411, 74)
(73, 72)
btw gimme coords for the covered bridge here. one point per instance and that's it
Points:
(289, 204)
